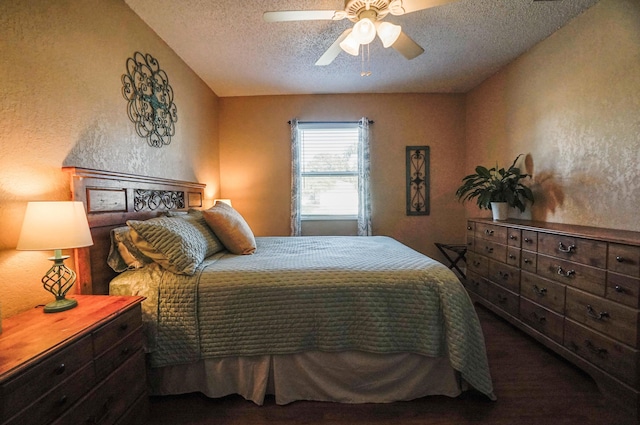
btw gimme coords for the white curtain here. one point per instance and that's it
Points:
(296, 222)
(364, 177)
(364, 194)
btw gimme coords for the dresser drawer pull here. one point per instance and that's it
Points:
(488, 249)
(600, 352)
(60, 369)
(62, 400)
(503, 275)
(541, 292)
(565, 273)
(597, 316)
(488, 232)
(124, 326)
(105, 410)
(512, 257)
(501, 298)
(620, 259)
(527, 261)
(469, 228)
(566, 249)
(528, 240)
(538, 318)
(476, 263)
(513, 237)
(619, 289)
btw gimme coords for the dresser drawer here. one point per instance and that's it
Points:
(583, 251)
(617, 359)
(491, 249)
(529, 261)
(504, 275)
(580, 276)
(503, 299)
(111, 399)
(36, 381)
(513, 256)
(530, 240)
(115, 356)
(542, 319)
(608, 317)
(514, 237)
(543, 291)
(110, 334)
(476, 284)
(491, 232)
(57, 400)
(477, 263)
(624, 259)
(623, 289)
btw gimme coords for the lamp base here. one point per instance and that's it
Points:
(60, 305)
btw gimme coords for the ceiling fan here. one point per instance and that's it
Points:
(368, 17)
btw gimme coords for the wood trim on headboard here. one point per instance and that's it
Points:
(110, 199)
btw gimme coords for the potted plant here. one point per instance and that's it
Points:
(493, 186)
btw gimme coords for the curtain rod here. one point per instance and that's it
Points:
(329, 122)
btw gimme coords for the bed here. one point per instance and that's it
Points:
(343, 319)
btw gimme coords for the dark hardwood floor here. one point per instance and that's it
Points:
(533, 386)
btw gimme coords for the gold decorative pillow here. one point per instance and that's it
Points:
(231, 228)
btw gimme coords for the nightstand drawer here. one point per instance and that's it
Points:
(110, 334)
(542, 291)
(543, 320)
(58, 400)
(36, 381)
(114, 357)
(608, 317)
(610, 355)
(111, 399)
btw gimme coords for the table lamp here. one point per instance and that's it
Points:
(56, 225)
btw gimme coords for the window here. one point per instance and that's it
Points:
(328, 170)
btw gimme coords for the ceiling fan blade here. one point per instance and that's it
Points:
(334, 50)
(400, 7)
(299, 15)
(407, 47)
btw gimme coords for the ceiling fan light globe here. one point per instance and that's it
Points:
(364, 31)
(388, 33)
(350, 45)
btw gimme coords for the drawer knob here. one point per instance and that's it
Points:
(565, 273)
(600, 352)
(619, 259)
(488, 249)
(503, 275)
(528, 240)
(540, 319)
(476, 263)
(469, 228)
(62, 400)
(512, 257)
(488, 232)
(513, 237)
(619, 289)
(541, 292)
(566, 249)
(60, 369)
(124, 326)
(596, 316)
(527, 261)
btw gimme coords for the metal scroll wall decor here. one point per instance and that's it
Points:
(150, 100)
(152, 200)
(417, 180)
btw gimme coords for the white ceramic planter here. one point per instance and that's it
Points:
(500, 210)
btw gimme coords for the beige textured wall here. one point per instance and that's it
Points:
(255, 159)
(61, 104)
(572, 104)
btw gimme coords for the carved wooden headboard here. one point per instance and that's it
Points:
(111, 199)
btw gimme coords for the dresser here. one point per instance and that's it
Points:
(575, 289)
(81, 366)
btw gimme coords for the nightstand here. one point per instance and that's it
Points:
(84, 365)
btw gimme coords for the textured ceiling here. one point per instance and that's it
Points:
(227, 43)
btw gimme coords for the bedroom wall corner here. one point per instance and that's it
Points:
(571, 103)
(62, 105)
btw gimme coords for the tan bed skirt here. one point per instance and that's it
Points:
(345, 377)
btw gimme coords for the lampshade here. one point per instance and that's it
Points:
(388, 33)
(51, 225)
(350, 45)
(224, 201)
(364, 31)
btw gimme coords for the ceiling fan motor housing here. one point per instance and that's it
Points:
(372, 9)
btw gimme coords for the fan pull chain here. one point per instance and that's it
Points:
(363, 72)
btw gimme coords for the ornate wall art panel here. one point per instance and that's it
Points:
(417, 180)
(150, 100)
(152, 200)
